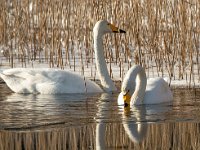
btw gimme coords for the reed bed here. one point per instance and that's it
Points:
(159, 136)
(162, 35)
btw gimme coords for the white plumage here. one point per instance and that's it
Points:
(47, 81)
(143, 91)
(51, 81)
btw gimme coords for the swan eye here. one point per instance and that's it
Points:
(125, 92)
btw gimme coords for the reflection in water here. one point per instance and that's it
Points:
(159, 136)
(97, 122)
(100, 125)
(135, 130)
(18, 111)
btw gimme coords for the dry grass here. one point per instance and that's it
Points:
(162, 34)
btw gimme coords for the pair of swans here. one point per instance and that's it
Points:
(51, 81)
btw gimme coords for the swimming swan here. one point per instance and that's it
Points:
(51, 81)
(137, 90)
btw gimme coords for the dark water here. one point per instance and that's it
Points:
(95, 121)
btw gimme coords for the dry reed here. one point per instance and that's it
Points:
(161, 35)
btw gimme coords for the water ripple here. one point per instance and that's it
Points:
(28, 111)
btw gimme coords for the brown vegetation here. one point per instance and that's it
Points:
(161, 34)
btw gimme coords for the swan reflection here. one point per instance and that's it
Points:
(101, 115)
(113, 124)
(136, 130)
(134, 119)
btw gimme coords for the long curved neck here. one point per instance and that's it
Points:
(136, 81)
(102, 70)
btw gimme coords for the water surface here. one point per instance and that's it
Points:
(95, 121)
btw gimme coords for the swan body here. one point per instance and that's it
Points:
(49, 81)
(136, 89)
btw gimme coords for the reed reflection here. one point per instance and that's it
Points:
(114, 127)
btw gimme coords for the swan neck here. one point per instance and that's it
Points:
(135, 81)
(141, 82)
(102, 70)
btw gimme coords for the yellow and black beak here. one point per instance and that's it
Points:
(116, 29)
(127, 99)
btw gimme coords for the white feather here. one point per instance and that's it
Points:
(51, 81)
(143, 91)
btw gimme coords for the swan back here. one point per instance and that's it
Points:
(157, 91)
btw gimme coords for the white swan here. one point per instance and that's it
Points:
(137, 90)
(50, 81)
(46, 81)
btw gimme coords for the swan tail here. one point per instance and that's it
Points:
(12, 81)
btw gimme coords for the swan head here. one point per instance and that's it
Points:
(103, 27)
(134, 86)
(127, 90)
(126, 98)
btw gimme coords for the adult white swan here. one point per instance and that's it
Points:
(136, 89)
(51, 81)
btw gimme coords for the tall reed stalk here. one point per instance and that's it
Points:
(162, 35)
